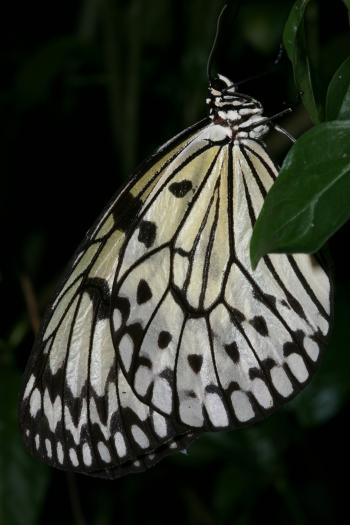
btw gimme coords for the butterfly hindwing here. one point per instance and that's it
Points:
(201, 337)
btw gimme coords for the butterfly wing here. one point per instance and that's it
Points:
(162, 329)
(78, 412)
(202, 337)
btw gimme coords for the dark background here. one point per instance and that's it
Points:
(88, 90)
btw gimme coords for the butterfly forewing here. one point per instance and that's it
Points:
(161, 329)
(78, 411)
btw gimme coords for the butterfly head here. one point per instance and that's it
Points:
(239, 114)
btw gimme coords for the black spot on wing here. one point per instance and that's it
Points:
(213, 389)
(179, 189)
(319, 338)
(290, 348)
(164, 339)
(256, 373)
(268, 363)
(167, 374)
(284, 303)
(232, 351)
(237, 316)
(260, 326)
(298, 337)
(147, 233)
(195, 361)
(123, 305)
(126, 207)
(135, 331)
(190, 393)
(264, 298)
(145, 361)
(144, 293)
(233, 387)
(296, 306)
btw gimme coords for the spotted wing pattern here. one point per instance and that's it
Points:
(161, 329)
(201, 337)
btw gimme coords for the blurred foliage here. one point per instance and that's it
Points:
(295, 42)
(310, 200)
(89, 89)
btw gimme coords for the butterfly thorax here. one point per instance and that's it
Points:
(240, 115)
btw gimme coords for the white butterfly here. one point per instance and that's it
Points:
(161, 330)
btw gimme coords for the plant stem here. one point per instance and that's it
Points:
(31, 302)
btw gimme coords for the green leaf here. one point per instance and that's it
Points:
(294, 40)
(338, 95)
(23, 481)
(310, 198)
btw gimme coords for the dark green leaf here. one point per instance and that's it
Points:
(310, 199)
(23, 480)
(338, 96)
(294, 40)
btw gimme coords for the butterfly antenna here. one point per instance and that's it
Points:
(217, 33)
(270, 119)
(213, 47)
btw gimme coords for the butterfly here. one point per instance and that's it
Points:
(160, 329)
